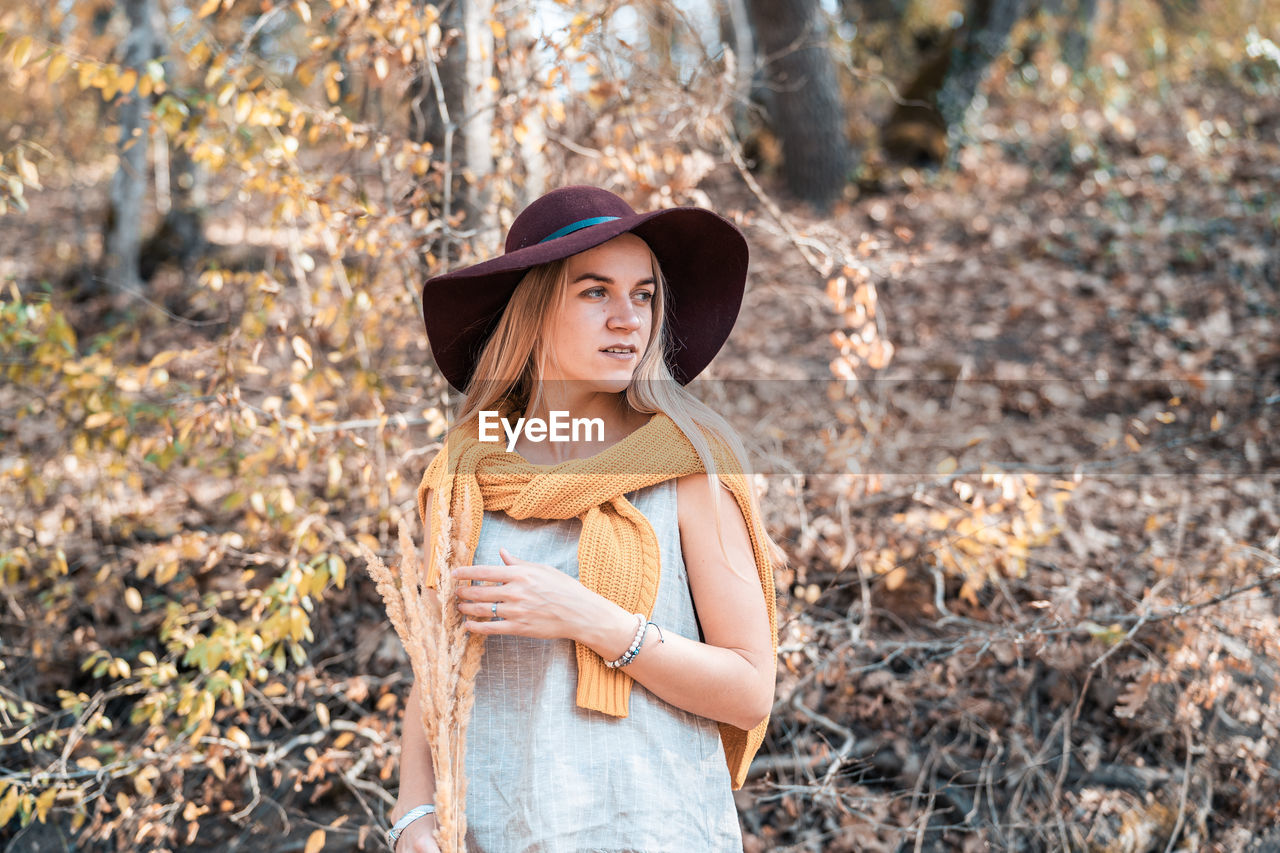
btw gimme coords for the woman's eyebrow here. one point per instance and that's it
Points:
(592, 276)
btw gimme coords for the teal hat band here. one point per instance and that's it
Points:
(577, 226)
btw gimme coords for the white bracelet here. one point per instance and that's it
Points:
(413, 814)
(634, 649)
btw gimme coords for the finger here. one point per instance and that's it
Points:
(497, 626)
(482, 609)
(481, 593)
(482, 573)
(512, 560)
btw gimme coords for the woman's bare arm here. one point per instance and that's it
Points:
(729, 677)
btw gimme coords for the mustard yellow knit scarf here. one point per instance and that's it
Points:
(618, 553)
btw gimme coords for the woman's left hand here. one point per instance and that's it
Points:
(534, 600)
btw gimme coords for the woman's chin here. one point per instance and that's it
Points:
(615, 384)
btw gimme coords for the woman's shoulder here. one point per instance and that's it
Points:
(696, 502)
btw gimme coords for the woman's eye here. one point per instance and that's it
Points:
(595, 291)
(645, 296)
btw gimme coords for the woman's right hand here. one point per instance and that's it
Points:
(419, 837)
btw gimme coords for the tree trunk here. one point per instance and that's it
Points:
(804, 103)
(874, 11)
(129, 185)
(521, 40)
(430, 111)
(1078, 33)
(480, 101)
(735, 31)
(181, 200)
(661, 27)
(458, 120)
(915, 133)
(982, 38)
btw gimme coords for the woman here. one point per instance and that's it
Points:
(622, 578)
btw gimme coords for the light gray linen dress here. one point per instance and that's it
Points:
(546, 776)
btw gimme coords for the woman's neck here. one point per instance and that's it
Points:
(611, 411)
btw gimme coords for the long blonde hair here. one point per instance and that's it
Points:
(515, 355)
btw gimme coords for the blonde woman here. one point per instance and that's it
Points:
(617, 565)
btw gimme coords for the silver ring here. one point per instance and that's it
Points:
(495, 610)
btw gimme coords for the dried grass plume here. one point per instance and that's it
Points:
(445, 658)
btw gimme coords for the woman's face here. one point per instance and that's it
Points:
(608, 305)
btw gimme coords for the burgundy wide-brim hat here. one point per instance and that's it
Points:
(703, 257)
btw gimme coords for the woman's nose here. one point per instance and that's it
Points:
(624, 317)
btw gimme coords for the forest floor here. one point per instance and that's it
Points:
(1106, 320)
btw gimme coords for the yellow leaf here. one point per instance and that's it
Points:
(304, 11)
(1215, 423)
(21, 51)
(8, 805)
(895, 578)
(244, 104)
(881, 353)
(161, 359)
(380, 67)
(322, 714)
(128, 80)
(167, 572)
(209, 7)
(948, 465)
(1131, 442)
(499, 31)
(144, 786)
(133, 600)
(57, 66)
(44, 802)
(98, 419)
(302, 350)
(27, 170)
(332, 74)
(315, 843)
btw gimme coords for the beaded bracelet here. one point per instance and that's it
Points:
(634, 648)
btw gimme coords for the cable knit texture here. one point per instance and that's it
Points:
(618, 552)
